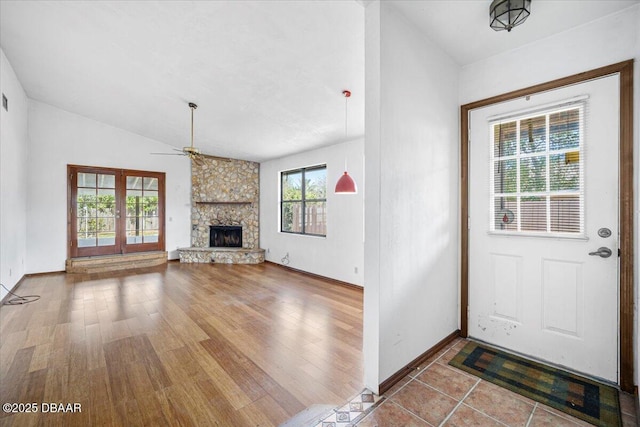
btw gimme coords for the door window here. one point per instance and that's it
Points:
(537, 173)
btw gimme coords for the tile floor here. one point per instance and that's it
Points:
(437, 394)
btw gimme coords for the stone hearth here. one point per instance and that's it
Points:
(222, 255)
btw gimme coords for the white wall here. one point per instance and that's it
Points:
(13, 179)
(411, 200)
(609, 40)
(606, 41)
(339, 253)
(58, 138)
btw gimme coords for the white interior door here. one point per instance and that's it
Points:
(543, 176)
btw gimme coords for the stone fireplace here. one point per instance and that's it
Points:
(224, 198)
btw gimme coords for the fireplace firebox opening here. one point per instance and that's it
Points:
(225, 236)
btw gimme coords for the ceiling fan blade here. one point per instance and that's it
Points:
(222, 159)
(197, 160)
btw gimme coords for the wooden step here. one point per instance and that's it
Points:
(106, 263)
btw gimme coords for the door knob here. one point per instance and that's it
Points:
(602, 252)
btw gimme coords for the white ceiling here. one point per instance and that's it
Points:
(461, 27)
(267, 75)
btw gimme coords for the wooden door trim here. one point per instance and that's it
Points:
(625, 70)
(72, 211)
(121, 245)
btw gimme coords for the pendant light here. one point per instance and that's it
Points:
(346, 185)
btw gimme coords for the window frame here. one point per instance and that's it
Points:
(547, 194)
(303, 201)
(120, 245)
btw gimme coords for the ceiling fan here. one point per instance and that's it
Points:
(191, 151)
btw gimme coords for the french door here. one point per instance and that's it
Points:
(114, 211)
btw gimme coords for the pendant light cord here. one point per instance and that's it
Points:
(346, 94)
(346, 97)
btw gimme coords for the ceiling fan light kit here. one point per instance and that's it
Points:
(506, 14)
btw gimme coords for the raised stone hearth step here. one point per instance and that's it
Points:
(222, 255)
(106, 263)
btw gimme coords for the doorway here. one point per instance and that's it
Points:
(549, 165)
(114, 211)
(624, 71)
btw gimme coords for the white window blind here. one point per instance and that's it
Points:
(537, 173)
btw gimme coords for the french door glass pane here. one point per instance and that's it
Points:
(150, 236)
(87, 180)
(87, 240)
(134, 183)
(133, 238)
(106, 181)
(150, 183)
(150, 203)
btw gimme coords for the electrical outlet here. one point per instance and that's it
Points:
(268, 250)
(355, 270)
(9, 272)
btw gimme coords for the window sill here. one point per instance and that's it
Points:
(567, 236)
(317, 236)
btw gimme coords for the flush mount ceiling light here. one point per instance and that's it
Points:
(345, 184)
(506, 14)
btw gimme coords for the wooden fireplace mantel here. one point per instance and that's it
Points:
(214, 202)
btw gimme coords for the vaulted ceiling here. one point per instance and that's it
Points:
(267, 75)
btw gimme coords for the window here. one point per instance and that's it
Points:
(303, 201)
(114, 211)
(537, 173)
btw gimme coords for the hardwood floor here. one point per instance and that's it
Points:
(182, 344)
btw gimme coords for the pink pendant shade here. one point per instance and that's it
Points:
(346, 185)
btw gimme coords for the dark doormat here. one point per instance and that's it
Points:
(580, 397)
